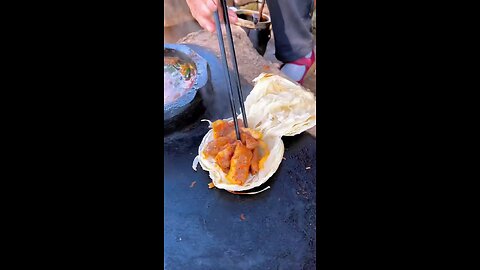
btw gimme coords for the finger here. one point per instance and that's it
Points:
(211, 5)
(206, 10)
(210, 27)
(232, 16)
(207, 25)
(204, 17)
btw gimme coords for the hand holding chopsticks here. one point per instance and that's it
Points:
(223, 56)
(202, 11)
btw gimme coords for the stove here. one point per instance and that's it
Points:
(214, 229)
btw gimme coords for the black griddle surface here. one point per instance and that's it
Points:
(203, 228)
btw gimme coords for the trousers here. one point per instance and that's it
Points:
(292, 28)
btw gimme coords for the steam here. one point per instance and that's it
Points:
(216, 101)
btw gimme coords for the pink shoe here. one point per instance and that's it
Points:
(306, 62)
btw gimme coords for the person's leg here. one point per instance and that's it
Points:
(291, 23)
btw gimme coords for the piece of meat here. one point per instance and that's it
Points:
(220, 129)
(263, 153)
(223, 128)
(255, 134)
(232, 135)
(248, 140)
(223, 157)
(254, 166)
(240, 165)
(216, 146)
(246, 136)
(240, 123)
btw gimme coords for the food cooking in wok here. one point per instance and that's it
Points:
(275, 107)
(179, 77)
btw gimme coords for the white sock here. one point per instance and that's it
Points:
(295, 72)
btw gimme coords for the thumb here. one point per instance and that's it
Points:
(232, 16)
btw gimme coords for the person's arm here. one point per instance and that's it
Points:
(202, 11)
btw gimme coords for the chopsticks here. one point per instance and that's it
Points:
(223, 57)
(260, 13)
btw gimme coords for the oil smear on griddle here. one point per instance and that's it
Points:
(178, 79)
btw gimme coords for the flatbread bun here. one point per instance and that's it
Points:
(276, 107)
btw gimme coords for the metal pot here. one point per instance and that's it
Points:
(259, 33)
(188, 106)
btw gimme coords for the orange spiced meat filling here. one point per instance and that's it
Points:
(238, 159)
